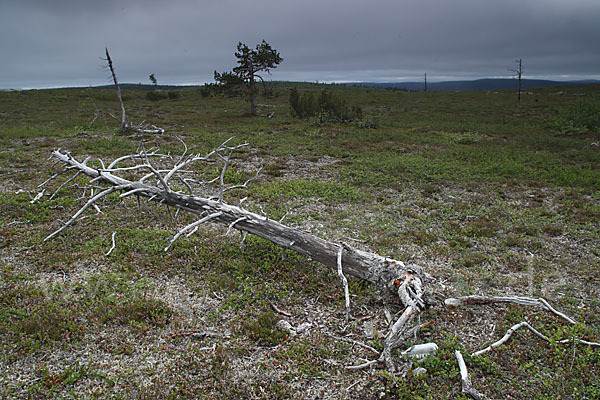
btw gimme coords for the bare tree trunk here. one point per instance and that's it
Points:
(252, 96)
(116, 82)
(374, 268)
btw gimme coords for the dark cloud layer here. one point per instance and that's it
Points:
(60, 42)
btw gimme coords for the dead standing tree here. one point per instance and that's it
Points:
(125, 126)
(407, 283)
(118, 89)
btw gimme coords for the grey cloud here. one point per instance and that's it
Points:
(54, 42)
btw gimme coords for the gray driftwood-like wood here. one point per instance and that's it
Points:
(465, 379)
(406, 282)
(118, 89)
(381, 271)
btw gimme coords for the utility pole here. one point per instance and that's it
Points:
(518, 72)
(425, 81)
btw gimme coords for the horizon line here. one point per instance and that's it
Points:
(324, 82)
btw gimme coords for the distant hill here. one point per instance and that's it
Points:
(141, 86)
(479, 84)
(448, 86)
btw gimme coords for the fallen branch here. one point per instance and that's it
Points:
(193, 225)
(465, 379)
(64, 184)
(520, 325)
(507, 336)
(113, 244)
(593, 344)
(279, 310)
(365, 365)
(355, 342)
(344, 282)
(82, 209)
(526, 301)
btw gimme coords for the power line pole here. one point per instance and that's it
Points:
(518, 72)
(425, 81)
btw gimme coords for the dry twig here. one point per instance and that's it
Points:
(467, 387)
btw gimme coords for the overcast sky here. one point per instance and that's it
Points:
(49, 43)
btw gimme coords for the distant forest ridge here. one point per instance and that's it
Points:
(479, 84)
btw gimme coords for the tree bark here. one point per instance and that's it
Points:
(381, 271)
(116, 82)
(252, 94)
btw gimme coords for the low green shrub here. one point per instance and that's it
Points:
(582, 116)
(155, 96)
(325, 106)
(263, 330)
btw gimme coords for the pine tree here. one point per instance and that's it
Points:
(253, 61)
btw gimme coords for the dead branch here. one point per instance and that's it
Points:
(507, 336)
(113, 244)
(43, 184)
(352, 341)
(467, 387)
(234, 223)
(587, 343)
(527, 301)
(344, 282)
(365, 365)
(520, 325)
(64, 184)
(279, 310)
(82, 209)
(539, 302)
(193, 225)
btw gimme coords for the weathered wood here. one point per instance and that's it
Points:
(465, 379)
(526, 301)
(507, 336)
(404, 281)
(118, 89)
(381, 271)
(385, 273)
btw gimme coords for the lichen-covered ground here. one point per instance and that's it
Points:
(510, 208)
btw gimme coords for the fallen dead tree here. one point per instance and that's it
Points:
(381, 271)
(391, 276)
(406, 282)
